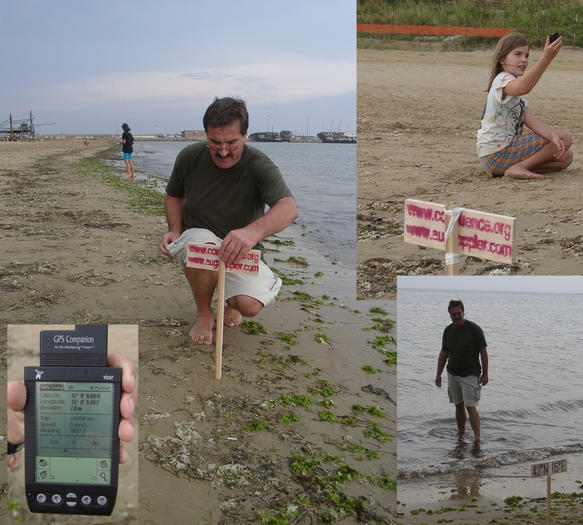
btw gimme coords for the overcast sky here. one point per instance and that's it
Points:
(89, 66)
(516, 283)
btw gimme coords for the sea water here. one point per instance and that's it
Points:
(532, 407)
(322, 178)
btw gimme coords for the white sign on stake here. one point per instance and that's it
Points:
(477, 233)
(546, 468)
(206, 257)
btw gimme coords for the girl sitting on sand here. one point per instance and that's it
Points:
(503, 149)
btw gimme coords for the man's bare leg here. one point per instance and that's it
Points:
(474, 421)
(460, 418)
(202, 283)
(239, 306)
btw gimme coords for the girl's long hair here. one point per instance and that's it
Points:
(125, 127)
(505, 45)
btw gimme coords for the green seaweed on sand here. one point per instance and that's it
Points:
(321, 338)
(253, 327)
(257, 425)
(378, 310)
(141, 198)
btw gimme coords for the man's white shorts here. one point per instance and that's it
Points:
(263, 287)
(464, 390)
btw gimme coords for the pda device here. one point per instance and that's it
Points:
(71, 424)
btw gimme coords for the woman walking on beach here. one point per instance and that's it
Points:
(503, 148)
(127, 146)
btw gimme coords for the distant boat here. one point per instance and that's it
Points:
(264, 136)
(336, 137)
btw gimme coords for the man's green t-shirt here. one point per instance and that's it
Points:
(463, 345)
(221, 200)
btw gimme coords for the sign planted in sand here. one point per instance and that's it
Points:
(206, 257)
(476, 233)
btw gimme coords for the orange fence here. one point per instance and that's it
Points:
(433, 30)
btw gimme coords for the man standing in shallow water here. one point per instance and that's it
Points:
(463, 346)
(217, 195)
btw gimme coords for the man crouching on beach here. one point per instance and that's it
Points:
(462, 347)
(217, 195)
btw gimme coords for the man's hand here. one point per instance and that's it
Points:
(167, 238)
(484, 379)
(438, 381)
(16, 400)
(237, 243)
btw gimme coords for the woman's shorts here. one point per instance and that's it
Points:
(520, 148)
(464, 390)
(127, 156)
(263, 287)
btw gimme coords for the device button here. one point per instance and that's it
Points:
(71, 503)
(71, 495)
(41, 498)
(86, 500)
(102, 500)
(56, 499)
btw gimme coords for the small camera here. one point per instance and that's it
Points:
(553, 37)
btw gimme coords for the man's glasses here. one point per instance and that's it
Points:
(229, 146)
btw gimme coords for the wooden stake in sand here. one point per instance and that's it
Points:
(547, 468)
(458, 232)
(206, 257)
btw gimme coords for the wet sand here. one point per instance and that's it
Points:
(296, 428)
(418, 112)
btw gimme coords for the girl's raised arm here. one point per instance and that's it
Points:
(525, 83)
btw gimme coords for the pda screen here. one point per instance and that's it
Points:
(74, 423)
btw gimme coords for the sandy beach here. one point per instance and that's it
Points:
(302, 425)
(418, 112)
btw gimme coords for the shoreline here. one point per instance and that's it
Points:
(504, 494)
(302, 424)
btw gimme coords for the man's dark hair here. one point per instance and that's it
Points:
(454, 303)
(225, 111)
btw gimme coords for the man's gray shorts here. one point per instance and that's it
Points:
(263, 287)
(464, 390)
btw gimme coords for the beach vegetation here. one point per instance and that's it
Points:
(252, 327)
(387, 482)
(325, 297)
(369, 369)
(513, 501)
(290, 338)
(257, 425)
(378, 310)
(300, 400)
(326, 403)
(140, 197)
(324, 388)
(526, 16)
(321, 338)
(300, 261)
(290, 417)
(326, 415)
(374, 431)
(302, 296)
(318, 274)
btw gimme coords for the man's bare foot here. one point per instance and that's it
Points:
(232, 316)
(202, 330)
(521, 173)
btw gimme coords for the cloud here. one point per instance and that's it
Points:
(278, 81)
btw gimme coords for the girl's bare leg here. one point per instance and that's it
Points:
(543, 160)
